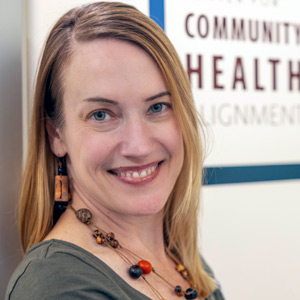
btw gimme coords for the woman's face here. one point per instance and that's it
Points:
(123, 142)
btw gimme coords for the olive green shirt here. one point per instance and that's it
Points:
(60, 270)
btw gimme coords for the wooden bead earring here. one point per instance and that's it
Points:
(61, 194)
(61, 184)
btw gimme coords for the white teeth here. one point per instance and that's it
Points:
(143, 174)
(135, 175)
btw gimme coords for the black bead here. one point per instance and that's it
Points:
(191, 294)
(178, 289)
(61, 170)
(135, 271)
(96, 233)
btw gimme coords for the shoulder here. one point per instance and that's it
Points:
(60, 270)
(217, 294)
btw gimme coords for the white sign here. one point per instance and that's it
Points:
(243, 58)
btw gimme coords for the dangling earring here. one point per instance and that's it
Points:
(61, 184)
(61, 195)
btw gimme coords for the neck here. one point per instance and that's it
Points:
(139, 237)
(142, 234)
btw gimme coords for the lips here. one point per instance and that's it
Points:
(135, 172)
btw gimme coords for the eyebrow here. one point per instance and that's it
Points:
(100, 99)
(109, 101)
(158, 96)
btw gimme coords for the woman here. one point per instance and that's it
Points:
(113, 113)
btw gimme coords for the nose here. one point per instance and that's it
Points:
(137, 138)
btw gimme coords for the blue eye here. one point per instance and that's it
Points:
(100, 115)
(158, 107)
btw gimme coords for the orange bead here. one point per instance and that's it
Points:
(185, 274)
(146, 266)
(180, 268)
(100, 240)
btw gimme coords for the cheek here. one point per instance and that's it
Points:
(89, 150)
(97, 151)
(174, 139)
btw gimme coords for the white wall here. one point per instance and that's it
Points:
(251, 238)
(10, 135)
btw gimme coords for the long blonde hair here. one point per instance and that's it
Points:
(124, 22)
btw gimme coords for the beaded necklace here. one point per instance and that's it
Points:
(142, 267)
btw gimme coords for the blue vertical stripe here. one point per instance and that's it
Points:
(157, 12)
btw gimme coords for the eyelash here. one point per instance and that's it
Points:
(93, 114)
(164, 106)
(108, 114)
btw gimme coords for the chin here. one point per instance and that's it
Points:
(150, 208)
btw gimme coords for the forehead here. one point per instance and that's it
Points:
(109, 66)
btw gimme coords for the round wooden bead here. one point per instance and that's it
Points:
(110, 236)
(191, 294)
(185, 274)
(100, 240)
(146, 266)
(179, 268)
(97, 232)
(135, 271)
(114, 243)
(84, 215)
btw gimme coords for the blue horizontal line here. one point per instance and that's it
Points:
(242, 174)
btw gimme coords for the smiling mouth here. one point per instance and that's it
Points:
(134, 172)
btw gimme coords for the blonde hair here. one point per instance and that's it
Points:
(123, 22)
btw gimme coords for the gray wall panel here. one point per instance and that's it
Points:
(10, 135)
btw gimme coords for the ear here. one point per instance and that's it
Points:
(56, 142)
